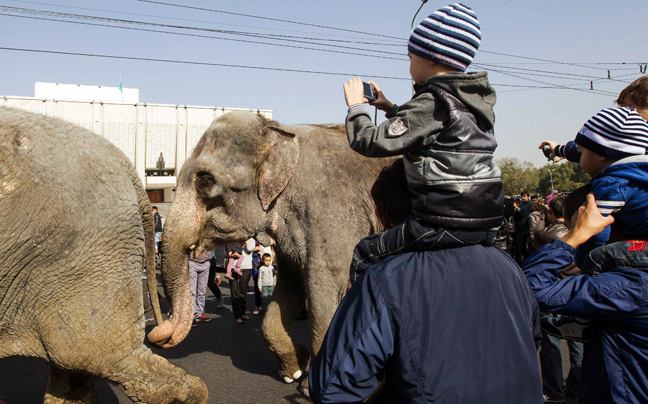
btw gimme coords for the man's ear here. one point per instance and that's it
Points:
(279, 165)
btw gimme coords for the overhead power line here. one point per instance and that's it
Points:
(538, 59)
(359, 32)
(183, 27)
(279, 37)
(269, 19)
(200, 63)
(496, 7)
(549, 73)
(385, 43)
(591, 91)
(258, 67)
(201, 36)
(518, 70)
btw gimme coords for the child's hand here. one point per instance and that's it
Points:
(381, 102)
(353, 92)
(553, 158)
(260, 289)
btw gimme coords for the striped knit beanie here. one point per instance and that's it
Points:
(615, 133)
(450, 36)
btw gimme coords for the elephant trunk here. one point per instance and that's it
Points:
(181, 232)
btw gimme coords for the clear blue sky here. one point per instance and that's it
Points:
(596, 35)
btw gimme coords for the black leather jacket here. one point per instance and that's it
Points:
(446, 135)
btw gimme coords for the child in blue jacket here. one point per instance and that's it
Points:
(611, 148)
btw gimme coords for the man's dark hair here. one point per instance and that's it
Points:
(556, 206)
(574, 200)
(154, 207)
(524, 193)
(536, 206)
(534, 197)
(636, 92)
(390, 193)
(266, 255)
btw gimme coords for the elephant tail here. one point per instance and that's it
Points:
(164, 329)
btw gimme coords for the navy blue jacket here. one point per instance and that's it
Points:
(457, 325)
(615, 361)
(622, 190)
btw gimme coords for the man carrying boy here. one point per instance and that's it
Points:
(611, 148)
(457, 325)
(445, 133)
(614, 296)
(442, 324)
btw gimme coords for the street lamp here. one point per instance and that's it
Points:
(551, 178)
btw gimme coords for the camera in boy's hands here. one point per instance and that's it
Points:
(369, 92)
(546, 149)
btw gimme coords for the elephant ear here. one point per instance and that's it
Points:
(279, 166)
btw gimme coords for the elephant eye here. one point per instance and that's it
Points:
(205, 184)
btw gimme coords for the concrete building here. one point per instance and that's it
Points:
(157, 138)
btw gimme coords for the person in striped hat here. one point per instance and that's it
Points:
(445, 133)
(612, 146)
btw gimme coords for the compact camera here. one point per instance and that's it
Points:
(546, 149)
(369, 92)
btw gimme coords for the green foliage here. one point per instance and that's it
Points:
(518, 176)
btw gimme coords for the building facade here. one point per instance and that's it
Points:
(157, 138)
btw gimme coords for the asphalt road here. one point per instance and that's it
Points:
(230, 358)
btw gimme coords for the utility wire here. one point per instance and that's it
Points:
(491, 9)
(485, 66)
(104, 56)
(212, 37)
(599, 92)
(274, 37)
(385, 43)
(199, 63)
(545, 71)
(268, 18)
(537, 59)
(199, 36)
(121, 21)
(358, 32)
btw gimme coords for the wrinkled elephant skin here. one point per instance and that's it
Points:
(76, 230)
(300, 187)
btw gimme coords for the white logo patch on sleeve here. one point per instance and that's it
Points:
(397, 128)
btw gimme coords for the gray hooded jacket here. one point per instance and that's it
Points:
(445, 133)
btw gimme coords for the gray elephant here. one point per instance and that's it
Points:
(300, 187)
(76, 230)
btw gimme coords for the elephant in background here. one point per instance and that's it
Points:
(76, 231)
(299, 187)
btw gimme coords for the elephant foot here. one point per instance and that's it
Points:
(69, 387)
(303, 387)
(294, 377)
(148, 378)
(292, 373)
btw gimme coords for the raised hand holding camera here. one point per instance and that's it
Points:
(369, 92)
(548, 147)
(354, 93)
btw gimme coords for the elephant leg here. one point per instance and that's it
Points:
(69, 387)
(149, 378)
(324, 296)
(287, 300)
